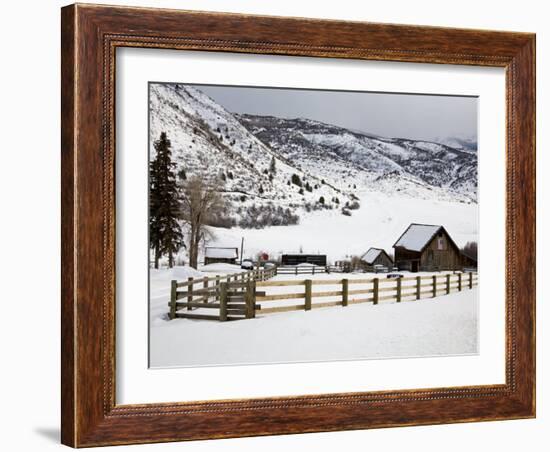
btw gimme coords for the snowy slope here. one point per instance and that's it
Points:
(208, 140)
(429, 169)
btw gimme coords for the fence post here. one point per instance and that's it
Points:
(375, 291)
(205, 286)
(448, 283)
(459, 282)
(418, 287)
(471, 282)
(308, 295)
(173, 299)
(345, 285)
(223, 302)
(313, 269)
(250, 299)
(189, 292)
(434, 286)
(398, 295)
(217, 287)
(296, 270)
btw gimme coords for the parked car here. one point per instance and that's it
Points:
(247, 264)
(269, 265)
(394, 275)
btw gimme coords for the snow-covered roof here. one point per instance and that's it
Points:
(417, 236)
(370, 256)
(221, 253)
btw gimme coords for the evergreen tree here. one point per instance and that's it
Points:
(272, 166)
(165, 235)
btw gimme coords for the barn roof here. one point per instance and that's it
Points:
(370, 256)
(418, 236)
(221, 253)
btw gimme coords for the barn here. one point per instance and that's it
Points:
(427, 247)
(214, 255)
(375, 256)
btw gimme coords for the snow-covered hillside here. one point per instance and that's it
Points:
(209, 141)
(423, 168)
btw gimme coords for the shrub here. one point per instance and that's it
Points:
(296, 180)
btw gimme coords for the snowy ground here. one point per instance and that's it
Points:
(445, 325)
(378, 223)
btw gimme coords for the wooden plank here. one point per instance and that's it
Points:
(434, 289)
(173, 298)
(360, 300)
(307, 305)
(386, 297)
(460, 281)
(335, 293)
(223, 302)
(189, 292)
(198, 304)
(360, 291)
(280, 283)
(326, 304)
(198, 292)
(297, 307)
(398, 290)
(448, 283)
(361, 281)
(326, 282)
(386, 289)
(345, 287)
(375, 291)
(418, 285)
(281, 296)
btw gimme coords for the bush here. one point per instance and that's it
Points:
(353, 205)
(322, 200)
(345, 212)
(258, 217)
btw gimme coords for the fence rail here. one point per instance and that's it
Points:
(379, 289)
(243, 295)
(307, 269)
(231, 295)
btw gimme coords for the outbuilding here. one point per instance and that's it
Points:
(375, 256)
(225, 255)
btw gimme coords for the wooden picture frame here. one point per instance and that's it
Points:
(90, 36)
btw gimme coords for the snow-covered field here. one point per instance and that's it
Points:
(445, 325)
(378, 223)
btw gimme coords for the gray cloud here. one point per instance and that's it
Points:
(415, 116)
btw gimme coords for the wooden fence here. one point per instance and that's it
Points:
(228, 297)
(378, 289)
(306, 269)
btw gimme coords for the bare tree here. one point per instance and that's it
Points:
(470, 250)
(201, 204)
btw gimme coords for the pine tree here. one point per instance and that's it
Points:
(272, 165)
(165, 235)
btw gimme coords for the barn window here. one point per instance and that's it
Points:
(440, 243)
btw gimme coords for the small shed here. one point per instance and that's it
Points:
(375, 256)
(295, 259)
(225, 255)
(427, 247)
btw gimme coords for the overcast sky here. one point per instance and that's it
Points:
(415, 116)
